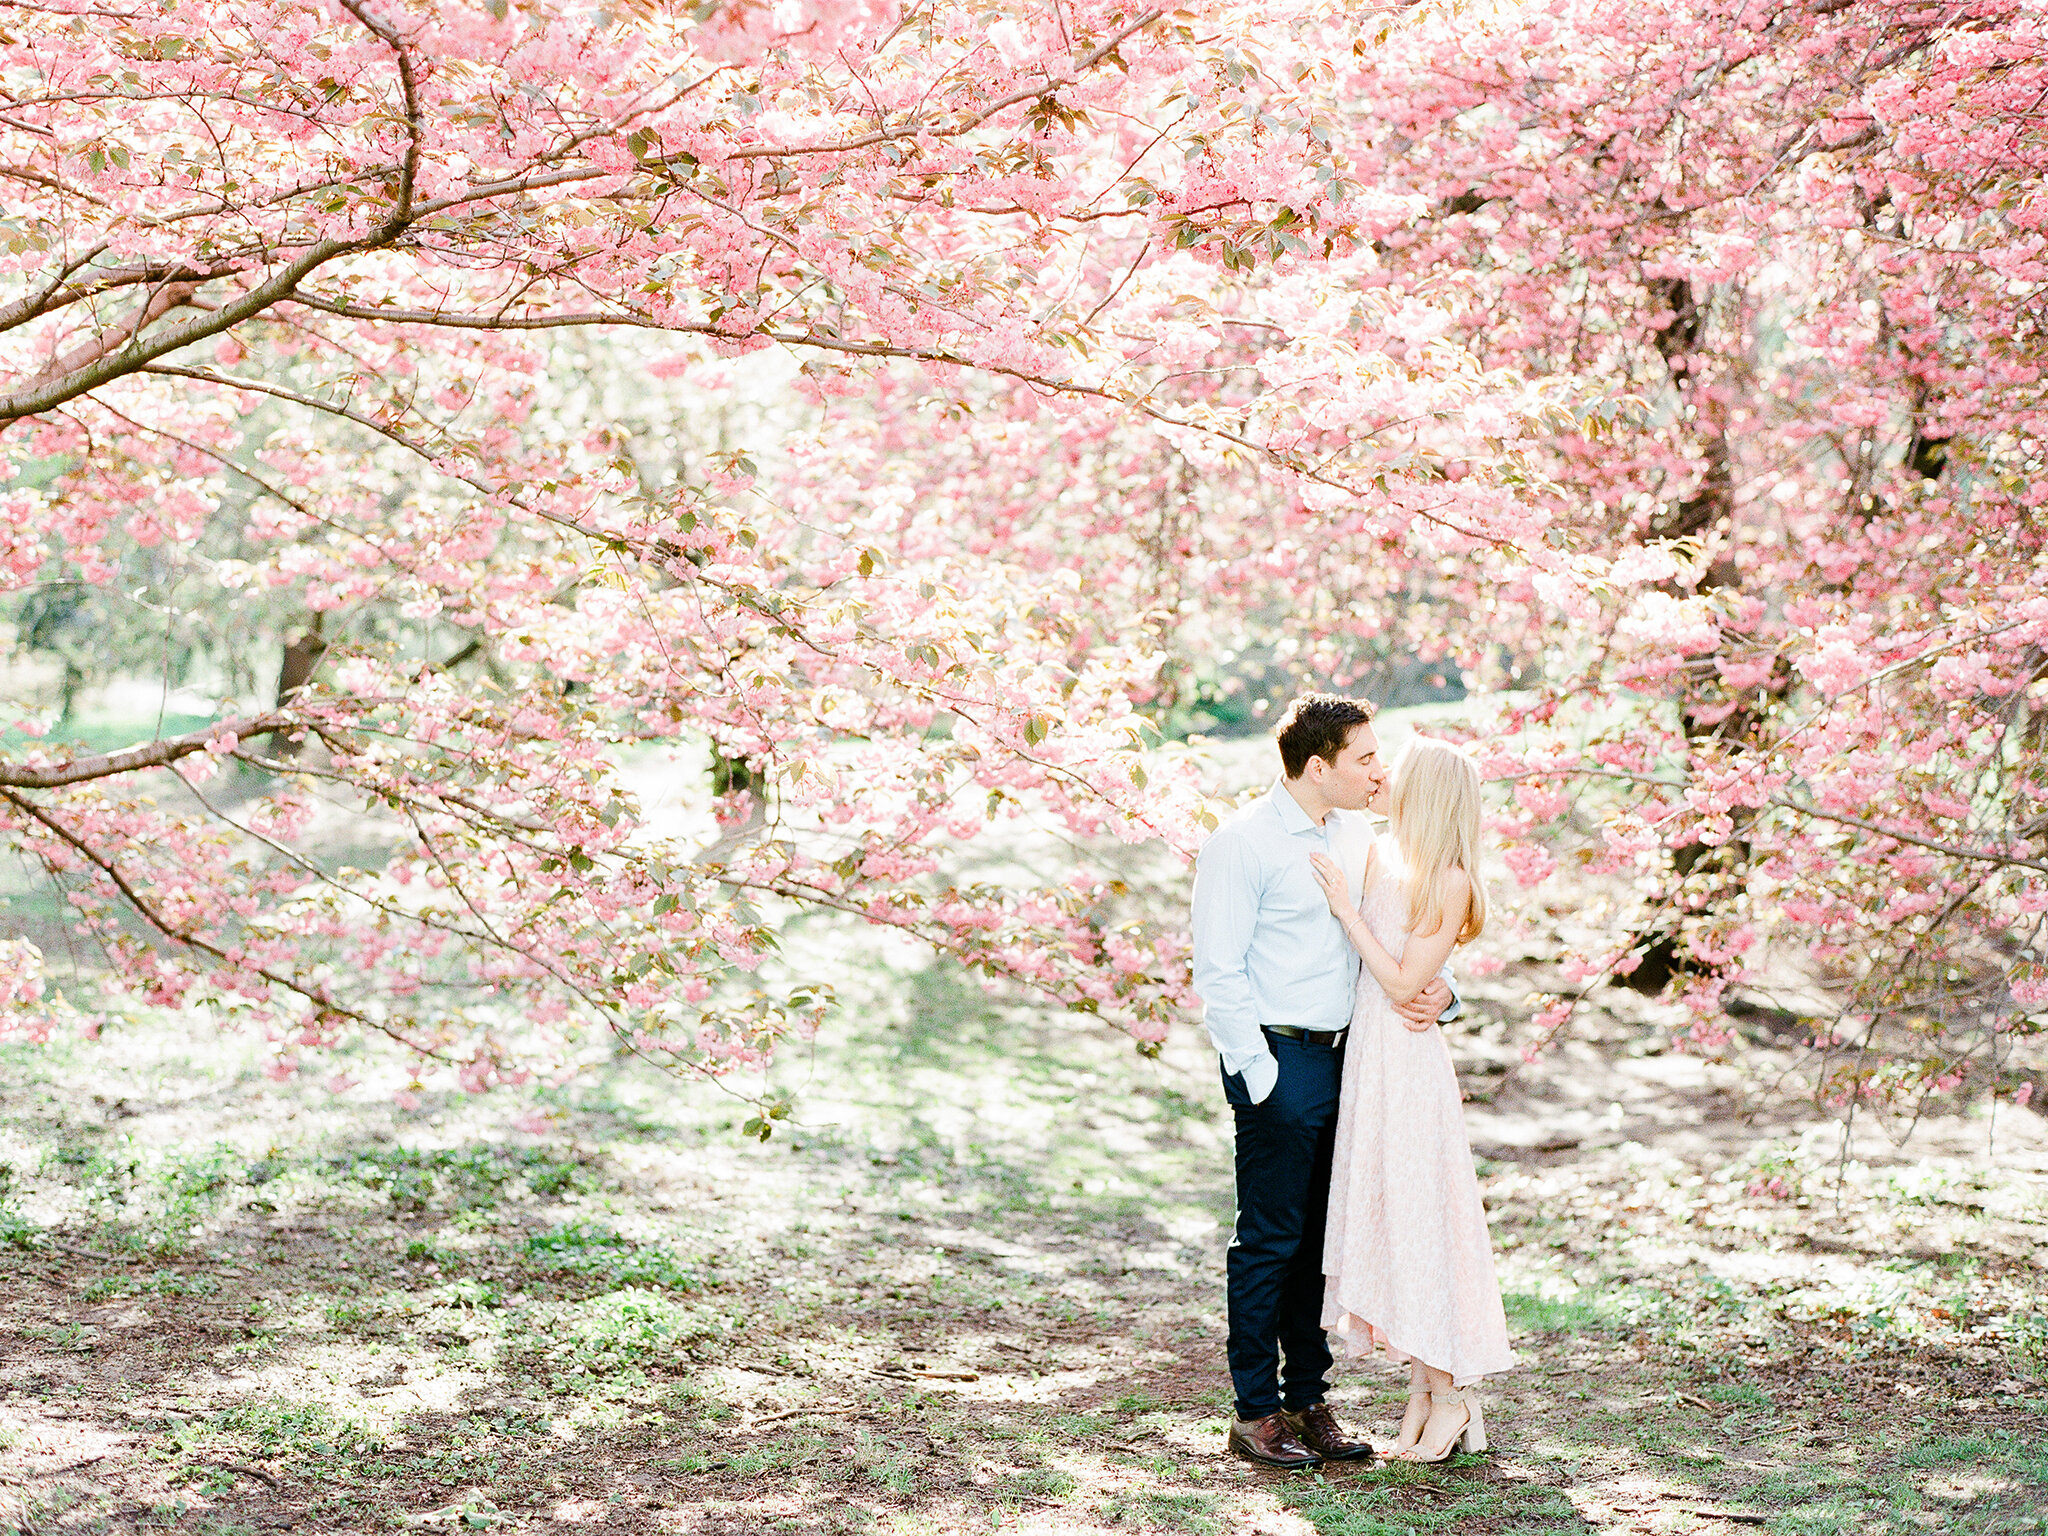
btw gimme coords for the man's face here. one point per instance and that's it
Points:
(1356, 781)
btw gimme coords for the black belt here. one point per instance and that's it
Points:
(1329, 1038)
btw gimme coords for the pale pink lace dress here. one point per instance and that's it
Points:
(1407, 1263)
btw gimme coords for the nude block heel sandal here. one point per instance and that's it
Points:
(1473, 1440)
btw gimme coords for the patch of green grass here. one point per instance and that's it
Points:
(349, 1311)
(1582, 1313)
(1081, 1426)
(1949, 1451)
(1738, 1394)
(885, 1464)
(469, 1295)
(1399, 1500)
(619, 1331)
(1037, 1483)
(464, 1179)
(1998, 1450)
(1139, 1402)
(277, 1428)
(16, 1231)
(422, 1250)
(592, 1248)
(1194, 1513)
(161, 1282)
(150, 1200)
(1791, 1485)
(1836, 1516)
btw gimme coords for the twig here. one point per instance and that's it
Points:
(792, 1413)
(1739, 1516)
(1700, 1403)
(88, 1254)
(74, 1466)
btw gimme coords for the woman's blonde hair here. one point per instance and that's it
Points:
(1435, 820)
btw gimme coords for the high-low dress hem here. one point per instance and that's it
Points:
(1349, 1329)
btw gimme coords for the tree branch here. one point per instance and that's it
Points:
(318, 997)
(916, 130)
(42, 394)
(150, 754)
(167, 297)
(408, 86)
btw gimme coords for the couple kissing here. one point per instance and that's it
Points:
(1320, 956)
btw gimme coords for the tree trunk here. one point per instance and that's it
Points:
(302, 654)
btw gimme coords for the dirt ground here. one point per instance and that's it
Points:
(977, 1287)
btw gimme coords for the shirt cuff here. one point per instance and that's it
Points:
(1259, 1074)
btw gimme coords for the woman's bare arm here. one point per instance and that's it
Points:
(1423, 955)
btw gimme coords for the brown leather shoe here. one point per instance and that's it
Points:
(1317, 1428)
(1271, 1440)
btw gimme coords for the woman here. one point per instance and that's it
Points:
(1406, 1260)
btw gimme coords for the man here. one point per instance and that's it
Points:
(1276, 975)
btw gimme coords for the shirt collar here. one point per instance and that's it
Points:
(1293, 819)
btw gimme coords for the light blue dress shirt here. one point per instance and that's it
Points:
(1267, 949)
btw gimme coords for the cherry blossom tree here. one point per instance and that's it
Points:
(1677, 372)
(294, 293)
(1800, 702)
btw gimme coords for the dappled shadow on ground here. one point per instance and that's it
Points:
(978, 1289)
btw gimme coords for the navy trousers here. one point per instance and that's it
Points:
(1279, 1355)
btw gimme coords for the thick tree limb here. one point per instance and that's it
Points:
(150, 754)
(167, 298)
(43, 394)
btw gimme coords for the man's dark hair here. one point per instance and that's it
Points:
(1317, 725)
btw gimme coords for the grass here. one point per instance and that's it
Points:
(460, 1178)
(983, 1282)
(1550, 1314)
(594, 1249)
(287, 1429)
